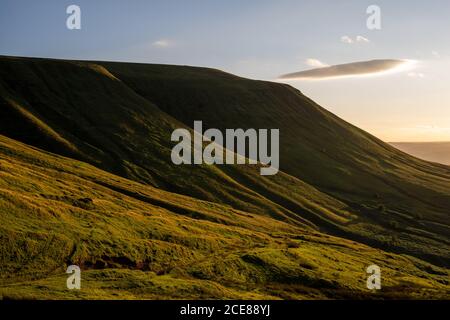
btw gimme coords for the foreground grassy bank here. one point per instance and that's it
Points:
(135, 241)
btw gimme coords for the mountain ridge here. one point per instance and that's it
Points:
(334, 177)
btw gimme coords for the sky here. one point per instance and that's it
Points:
(264, 40)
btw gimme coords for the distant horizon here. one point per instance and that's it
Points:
(434, 151)
(417, 141)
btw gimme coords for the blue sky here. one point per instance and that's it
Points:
(264, 39)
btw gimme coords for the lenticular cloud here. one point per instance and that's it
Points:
(361, 68)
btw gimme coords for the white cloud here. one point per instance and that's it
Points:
(346, 39)
(315, 63)
(362, 39)
(162, 43)
(349, 40)
(435, 54)
(359, 68)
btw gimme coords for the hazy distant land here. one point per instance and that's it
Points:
(431, 151)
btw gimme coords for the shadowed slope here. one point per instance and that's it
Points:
(315, 145)
(335, 178)
(114, 128)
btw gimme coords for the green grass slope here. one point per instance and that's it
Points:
(335, 178)
(134, 241)
(111, 126)
(376, 181)
(315, 145)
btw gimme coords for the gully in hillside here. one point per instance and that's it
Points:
(235, 147)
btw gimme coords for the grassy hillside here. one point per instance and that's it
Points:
(315, 145)
(136, 241)
(114, 128)
(336, 181)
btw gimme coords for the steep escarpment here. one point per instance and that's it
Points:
(334, 177)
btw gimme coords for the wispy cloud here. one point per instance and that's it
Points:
(163, 43)
(346, 39)
(315, 63)
(361, 68)
(349, 40)
(362, 39)
(435, 54)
